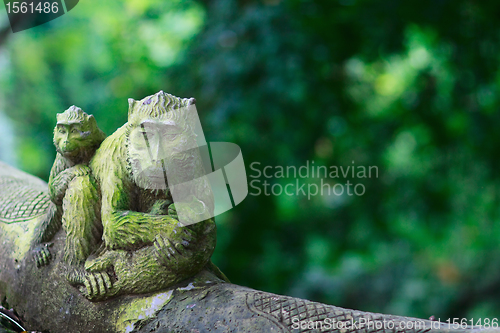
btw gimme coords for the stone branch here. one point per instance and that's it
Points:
(45, 301)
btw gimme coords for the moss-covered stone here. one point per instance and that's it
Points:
(204, 303)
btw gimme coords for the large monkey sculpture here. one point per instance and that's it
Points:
(146, 247)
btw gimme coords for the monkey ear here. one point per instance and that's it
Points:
(131, 104)
(92, 121)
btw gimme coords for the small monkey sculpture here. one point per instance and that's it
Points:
(76, 138)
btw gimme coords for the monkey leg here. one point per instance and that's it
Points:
(50, 225)
(170, 260)
(60, 183)
(81, 220)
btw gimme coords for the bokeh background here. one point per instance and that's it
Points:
(411, 87)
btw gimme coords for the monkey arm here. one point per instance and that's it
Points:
(60, 163)
(45, 231)
(49, 226)
(51, 222)
(57, 182)
(58, 185)
(123, 228)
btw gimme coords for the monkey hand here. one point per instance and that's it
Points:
(170, 251)
(98, 282)
(41, 254)
(59, 185)
(75, 275)
(79, 170)
(160, 207)
(193, 211)
(172, 211)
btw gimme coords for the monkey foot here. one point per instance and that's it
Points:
(41, 254)
(97, 285)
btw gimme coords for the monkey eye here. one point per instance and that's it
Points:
(74, 130)
(62, 130)
(170, 136)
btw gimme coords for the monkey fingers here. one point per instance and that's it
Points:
(167, 252)
(104, 282)
(172, 212)
(188, 237)
(79, 170)
(162, 255)
(38, 259)
(180, 248)
(46, 256)
(42, 255)
(97, 284)
(75, 276)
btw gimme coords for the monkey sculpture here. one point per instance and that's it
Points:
(76, 138)
(143, 247)
(146, 247)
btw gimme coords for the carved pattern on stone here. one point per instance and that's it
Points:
(268, 306)
(283, 310)
(20, 200)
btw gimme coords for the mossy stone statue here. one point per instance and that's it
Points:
(101, 248)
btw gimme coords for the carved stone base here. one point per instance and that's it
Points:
(45, 301)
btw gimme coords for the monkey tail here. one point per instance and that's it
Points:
(216, 271)
(50, 224)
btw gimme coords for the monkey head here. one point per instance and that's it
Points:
(76, 135)
(161, 135)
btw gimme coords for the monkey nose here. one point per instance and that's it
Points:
(159, 152)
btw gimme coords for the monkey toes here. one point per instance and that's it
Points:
(41, 255)
(96, 285)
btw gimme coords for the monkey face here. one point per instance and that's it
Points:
(69, 139)
(152, 146)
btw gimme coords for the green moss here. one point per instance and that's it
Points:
(129, 314)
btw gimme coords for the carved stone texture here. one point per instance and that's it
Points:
(22, 199)
(226, 307)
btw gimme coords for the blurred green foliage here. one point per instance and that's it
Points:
(408, 86)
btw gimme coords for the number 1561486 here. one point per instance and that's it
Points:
(25, 7)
